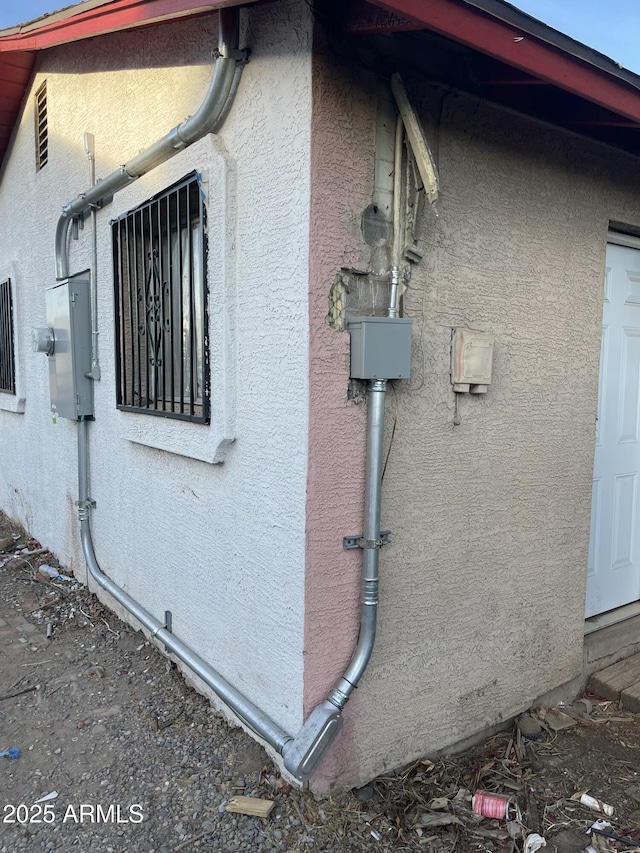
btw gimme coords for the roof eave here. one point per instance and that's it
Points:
(545, 54)
(102, 17)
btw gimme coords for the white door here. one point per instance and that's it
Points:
(614, 555)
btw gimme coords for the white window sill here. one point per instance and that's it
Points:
(195, 441)
(12, 403)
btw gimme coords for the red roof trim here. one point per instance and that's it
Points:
(476, 29)
(119, 15)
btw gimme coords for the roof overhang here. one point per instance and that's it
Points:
(98, 17)
(514, 60)
(487, 47)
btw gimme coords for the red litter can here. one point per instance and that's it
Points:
(498, 806)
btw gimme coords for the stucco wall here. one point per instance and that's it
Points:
(483, 587)
(220, 545)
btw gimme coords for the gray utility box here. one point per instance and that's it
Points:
(380, 347)
(69, 319)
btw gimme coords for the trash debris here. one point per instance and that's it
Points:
(602, 828)
(53, 573)
(596, 805)
(250, 806)
(514, 829)
(96, 672)
(583, 706)
(376, 835)
(499, 806)
(558, 720)
(51, 796)
(438, 819)
(12, 752)
(534, 842)
(598, 844)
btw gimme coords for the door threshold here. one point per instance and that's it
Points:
(611, 617)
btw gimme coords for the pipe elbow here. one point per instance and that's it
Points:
(303, 754)
(62, 229)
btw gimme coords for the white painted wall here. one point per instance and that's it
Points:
(220, 545)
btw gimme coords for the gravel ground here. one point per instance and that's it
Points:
(105, 720)
(136, 760)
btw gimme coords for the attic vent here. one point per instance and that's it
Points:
(42, 135)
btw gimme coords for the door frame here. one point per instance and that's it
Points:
(624, 611)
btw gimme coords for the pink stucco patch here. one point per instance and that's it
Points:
(341, 188)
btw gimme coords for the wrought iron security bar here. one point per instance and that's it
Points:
(7, 354)
(159, 252)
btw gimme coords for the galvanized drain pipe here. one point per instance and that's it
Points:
(208, 118)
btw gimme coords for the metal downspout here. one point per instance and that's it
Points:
(209, 117)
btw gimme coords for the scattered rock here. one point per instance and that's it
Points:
(530, 728)
(6, 544)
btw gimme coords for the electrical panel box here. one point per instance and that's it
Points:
(471, 361)
(380, 347)
(67, 343)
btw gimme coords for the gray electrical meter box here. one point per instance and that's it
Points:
(380, 347)
(67, 343)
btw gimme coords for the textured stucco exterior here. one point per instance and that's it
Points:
(220, 545)
(237, 527)
(483, 587)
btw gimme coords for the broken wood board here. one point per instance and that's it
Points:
(558, 720)
(251, 806)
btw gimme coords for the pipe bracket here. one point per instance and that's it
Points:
(349, 543)
(241, 56)
(84, 508)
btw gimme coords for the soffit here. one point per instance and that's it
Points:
(492, 50)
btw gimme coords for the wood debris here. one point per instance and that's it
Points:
(251, 806)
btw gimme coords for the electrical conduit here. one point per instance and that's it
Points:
(207, 119)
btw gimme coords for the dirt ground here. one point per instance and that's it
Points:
(101, 717)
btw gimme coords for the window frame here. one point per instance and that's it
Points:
(159, 279)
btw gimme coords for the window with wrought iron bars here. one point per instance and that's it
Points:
(159, 260)
(7, 355)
